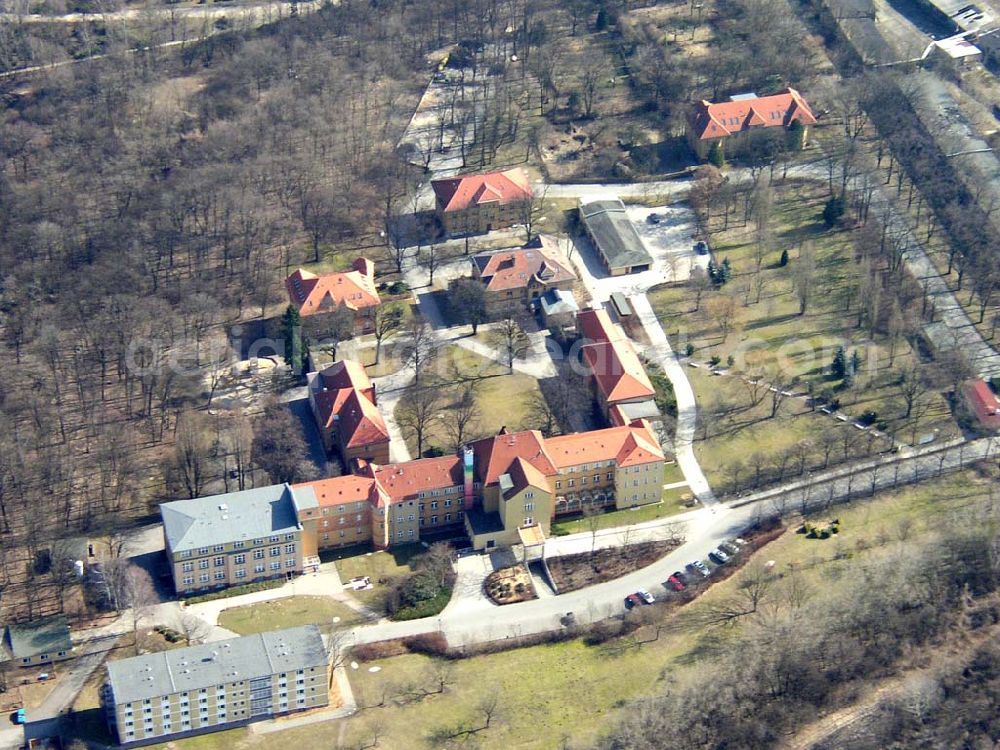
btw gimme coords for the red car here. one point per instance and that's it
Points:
(675, 583)
(632, 600)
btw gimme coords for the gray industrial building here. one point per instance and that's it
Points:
(609, 228)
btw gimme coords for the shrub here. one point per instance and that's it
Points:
(689, 349)
(714, 361)
(430, 644)
(426, 608)
(236, 591)
(418, 587)
(398, 287)
(378, 650)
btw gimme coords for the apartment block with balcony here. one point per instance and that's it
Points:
(207, 688)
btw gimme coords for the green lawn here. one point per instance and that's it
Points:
(540, 686)
(673, 503)
(769, 338)
(380, 565)
(503, 398)
(287, 613)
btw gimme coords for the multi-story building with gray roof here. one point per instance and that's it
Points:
(216, 686)
(236, 538)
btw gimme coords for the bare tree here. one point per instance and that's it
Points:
(420, 346)
(589, 79)
(912, 386)
(194, 629)
(387, 320)
(416, 410)
(804, 275)
(191, 452)
(510, 340)
(464, 415)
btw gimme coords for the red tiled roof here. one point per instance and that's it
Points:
(317, 294)
(329, 403)
(628, 446)
(361, 422)
(983, 402)
(494, 455)
(338, 490)
(596, 326)
(508, 186)
(617, 370)
(513, 269)
(612, 360)
(400, 481)
(725, 118)
(350, 397)
(346, 373)
(524, 475)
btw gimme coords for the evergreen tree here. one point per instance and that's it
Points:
(713, 272)
(833, 210)
(716, 155)
(855, 362)
(839, 366)
(725, 272)
(784, 258)
(291, 328)
(796, 136)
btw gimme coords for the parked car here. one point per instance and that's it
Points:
(718, 556)
(697, 566)
(674, 583)
(729, 548)
(646, 597)
(19, 717)
(681, 576)
(738, 542)
(632, 600)
(701, 247)
(653, 219)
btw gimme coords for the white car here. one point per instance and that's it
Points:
(645, 596)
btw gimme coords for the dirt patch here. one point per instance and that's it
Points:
(509, 585)
(572, 572)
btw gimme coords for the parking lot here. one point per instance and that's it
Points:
(669, 239)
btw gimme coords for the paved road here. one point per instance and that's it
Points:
(259, 12)
(953, 327)
(600, 287)
(475, 622)
(670, 189)
(687, 408)
(255, 15)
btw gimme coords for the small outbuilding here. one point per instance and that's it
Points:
(558, 308)
(982, 403)
(39, 642)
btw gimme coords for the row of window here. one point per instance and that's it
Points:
(220, 575)
(41, 657)
(434, 504)
(587, 467)
(583, 480)
(240, 559)
(437, 493)
(236, 545)
(343, 507)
